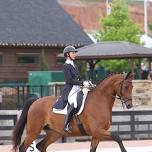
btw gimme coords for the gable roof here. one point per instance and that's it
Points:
(38, 23)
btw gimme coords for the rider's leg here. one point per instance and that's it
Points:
(68, 117)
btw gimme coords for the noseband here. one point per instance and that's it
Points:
(120, 96)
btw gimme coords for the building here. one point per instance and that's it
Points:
(32, 33)
(88, 13)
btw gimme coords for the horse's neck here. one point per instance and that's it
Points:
(109, 84)
(100, 101)
(106, 92)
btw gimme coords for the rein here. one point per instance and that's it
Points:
(120, 96)
(75, 92)
(123, 100)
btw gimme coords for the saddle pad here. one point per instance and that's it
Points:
(64, 111)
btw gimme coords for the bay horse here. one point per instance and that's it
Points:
(96, 117)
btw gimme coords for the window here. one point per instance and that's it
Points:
(60, 61)
(25, 58)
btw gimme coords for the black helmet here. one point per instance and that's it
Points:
(68, 49)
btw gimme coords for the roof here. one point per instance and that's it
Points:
(38, 23)
(88, 13)
(112, 50)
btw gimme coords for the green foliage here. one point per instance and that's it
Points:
(44, 64)
(118, 26)
(150, 26)
(82, 68)
(115, 65)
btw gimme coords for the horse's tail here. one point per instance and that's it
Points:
(19, 127)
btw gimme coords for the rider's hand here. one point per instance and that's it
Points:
(87, 84)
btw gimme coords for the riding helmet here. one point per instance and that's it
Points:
(68, 49)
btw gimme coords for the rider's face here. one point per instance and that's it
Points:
(72, 55)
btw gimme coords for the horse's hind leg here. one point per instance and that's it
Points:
(27, 142)
(33, 130)
(50, 137)
(30, 137)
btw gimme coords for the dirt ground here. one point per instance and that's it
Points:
(85, 145)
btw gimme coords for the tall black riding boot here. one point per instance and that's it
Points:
(68, 118)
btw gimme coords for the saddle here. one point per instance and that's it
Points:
(81, 97)
(80, 104)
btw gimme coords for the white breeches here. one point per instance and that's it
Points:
(72, 98)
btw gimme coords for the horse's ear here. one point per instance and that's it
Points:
(130, 75)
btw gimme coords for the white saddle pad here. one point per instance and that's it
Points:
(64, 111)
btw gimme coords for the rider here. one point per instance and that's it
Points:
(73, 82)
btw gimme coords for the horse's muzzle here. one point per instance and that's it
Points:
(128, 105)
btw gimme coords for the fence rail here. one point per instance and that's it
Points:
(133, 124)
(13, 97)
(7, 126)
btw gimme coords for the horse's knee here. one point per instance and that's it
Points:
(116, 137)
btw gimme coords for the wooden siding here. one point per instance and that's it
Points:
(14, 72)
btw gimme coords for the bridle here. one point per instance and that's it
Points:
(119, 95)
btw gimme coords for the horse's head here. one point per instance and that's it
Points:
(124, 90)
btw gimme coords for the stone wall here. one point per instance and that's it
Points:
(142, 92)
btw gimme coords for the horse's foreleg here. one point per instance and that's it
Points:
(116, 138)
(104, 134)
(94, 144)
(50, 137)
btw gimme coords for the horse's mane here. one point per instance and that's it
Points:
(107, 77)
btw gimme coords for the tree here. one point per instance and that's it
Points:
(118, 26)
(150, 27)
(82, 68)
